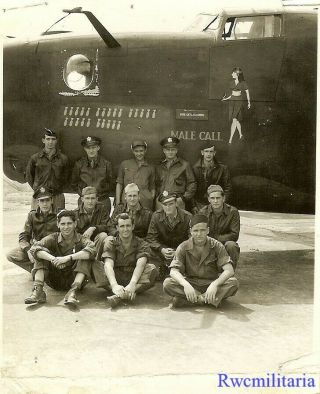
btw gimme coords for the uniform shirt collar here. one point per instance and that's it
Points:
(95, 160)
(40, 213)
(83, 211)
(163, 215)
(138, 208)
(200, 163)
(141, 163)
(44, 153)
(76, 238)
(205, 249)
(225, 209)
(176, 160)
(118, 243)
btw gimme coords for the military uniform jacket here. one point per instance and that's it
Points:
(213, 258)
(125, 259)
(162, 235)
(99, 219)
(99, 176)
(36, 227)
(226, 226)
(53, 244)
(216, 175)
(49, 173)
(178, 178)
(141, 219)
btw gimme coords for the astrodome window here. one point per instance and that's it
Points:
(78, 72)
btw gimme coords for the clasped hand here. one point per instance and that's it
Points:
(168, 253)
(210, 294)
(128, 292)
(60, 262)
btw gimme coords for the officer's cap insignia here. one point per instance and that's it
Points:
(42, 189)
(169, 139)
(165, 193)
(89, 139)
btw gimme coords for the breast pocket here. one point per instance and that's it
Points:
(101, 171)
(129, 175)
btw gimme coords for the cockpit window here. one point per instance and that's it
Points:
(78, 72)
(252, 27)
(204, 22)
(214, 24)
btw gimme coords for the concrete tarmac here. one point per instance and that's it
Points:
(148, 347)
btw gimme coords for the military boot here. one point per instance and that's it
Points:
(37, 295)
(71, 296)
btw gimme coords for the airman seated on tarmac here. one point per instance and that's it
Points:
(209, 171)
(201, 271)
(62, 260)
(224, 222)
(174, 174)
(40, 222)
(48, 168)
(93, 220)
(137, 171)
(125, 269)
(169, 227)
(140, 215)
(93, 170)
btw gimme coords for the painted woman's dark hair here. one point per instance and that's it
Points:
(239, 73)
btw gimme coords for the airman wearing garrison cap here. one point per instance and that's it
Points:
(201, 271)
(175, 174)
(209, 171)
(48, 168)
(141, 215)
(169, 227)
(224, 221)
(62, 259)
(138, 171)
(93, 220)
(125, 269)
(40, 223)
(93, 170)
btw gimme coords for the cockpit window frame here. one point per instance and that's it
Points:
(226, 36)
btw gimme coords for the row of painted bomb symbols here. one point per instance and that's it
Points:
(86, 122)
(109, 112)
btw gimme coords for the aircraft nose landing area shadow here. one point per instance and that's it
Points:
(273, 278)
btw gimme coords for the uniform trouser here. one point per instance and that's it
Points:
(62, 279)
(58, 202)
(99, 243)
(233, 250)
(123, 277)
(227, 289)
(20, 258)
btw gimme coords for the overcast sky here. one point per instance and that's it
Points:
(117, 15)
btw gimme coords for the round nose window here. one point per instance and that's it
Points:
(78, 72)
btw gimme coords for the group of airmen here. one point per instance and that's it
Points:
(170, 223)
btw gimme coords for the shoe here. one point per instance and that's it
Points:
(114, 301)
(180, 302)
(38, 296)
(71, 297)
